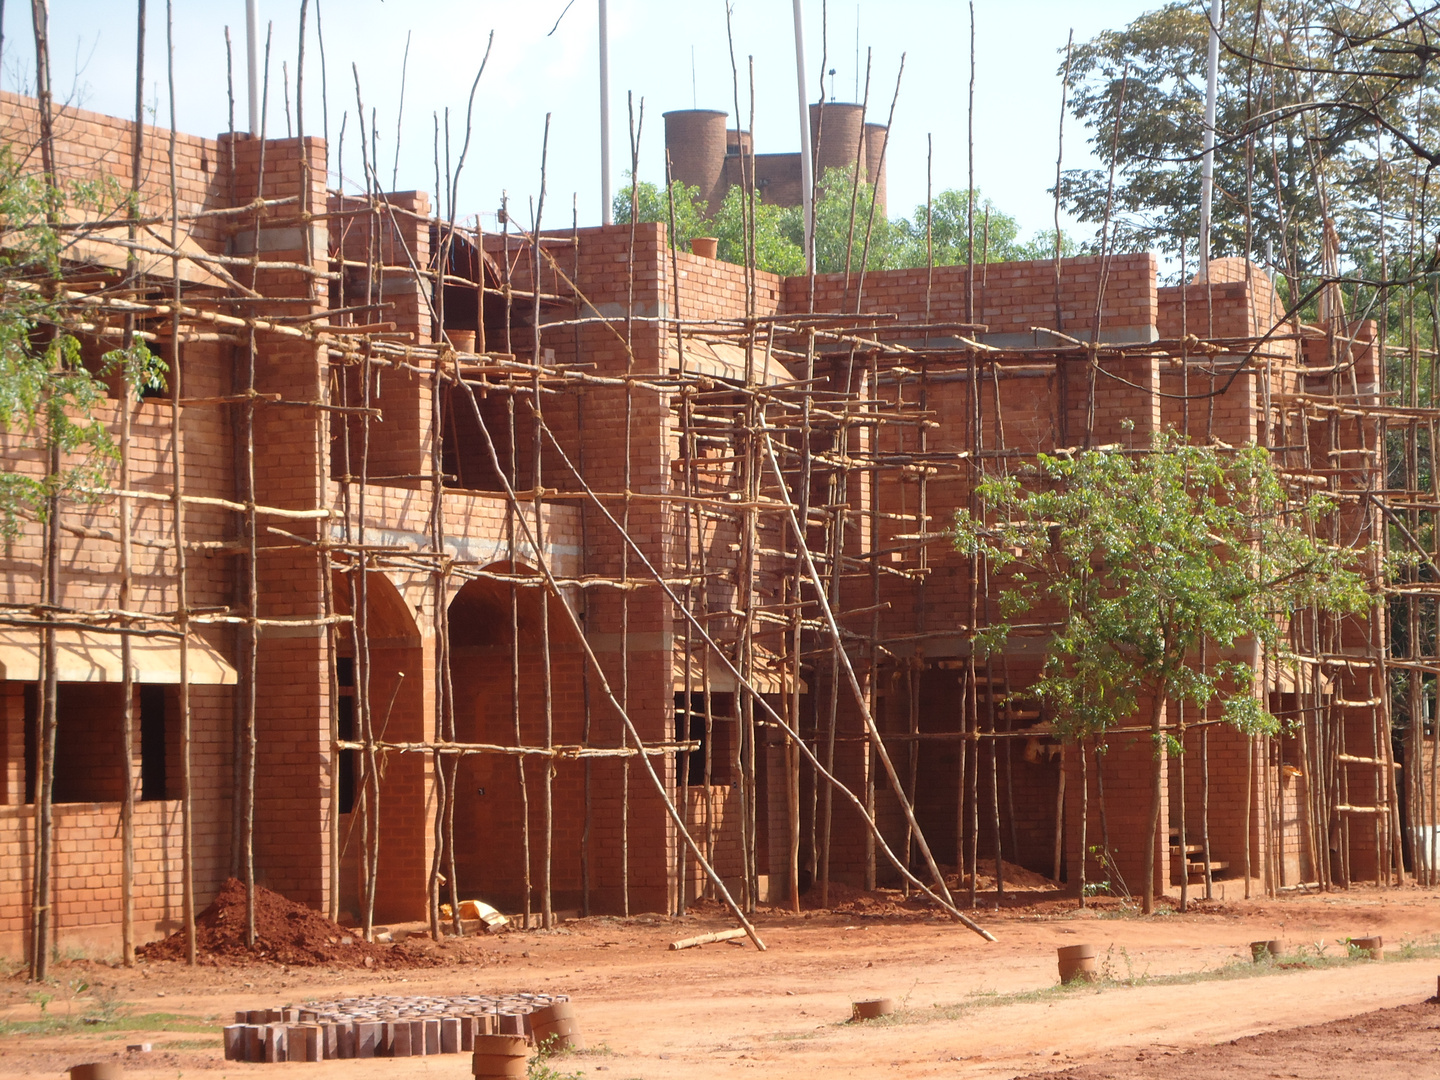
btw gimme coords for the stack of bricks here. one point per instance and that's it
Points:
(378, 1027)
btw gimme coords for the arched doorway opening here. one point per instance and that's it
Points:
(496, 644)
(398, 693)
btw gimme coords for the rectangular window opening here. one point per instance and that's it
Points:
(722, 724)
(345, 724)
(152, 744)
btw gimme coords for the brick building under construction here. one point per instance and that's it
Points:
(413, 613)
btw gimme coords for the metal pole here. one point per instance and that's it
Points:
(252, 42)
(807, 164)
(607, 212)
(1207, 163)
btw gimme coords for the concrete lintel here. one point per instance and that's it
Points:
(1032, 339)
(661, 642)
(285, 239)
(481, 550)
(658, 310)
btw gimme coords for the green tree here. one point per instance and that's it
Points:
(779, 231)
(48, 395)
(1306, 88)
(654, 205)
(1147, 556)
(997, 237)
(775, 251)
(834, 236)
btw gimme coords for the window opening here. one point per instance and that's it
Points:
(345, 717)
(722, 722)
(152, 743)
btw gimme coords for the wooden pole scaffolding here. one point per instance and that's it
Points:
(182, 588)
(250, 677)
(543, 565)
(42, 925)
(773, 717)
(537, 445)
(127, 406)
(752, 453)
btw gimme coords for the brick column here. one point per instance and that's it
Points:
(292, 793)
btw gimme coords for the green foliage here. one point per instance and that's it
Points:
(539, 1068)
(834, 238)
(775, 251)
(1307, 79)
(779, 233)
(1147, 555)
(997, 239)
(653, 204)
(48, 399)
(140, 369)
(48, 396)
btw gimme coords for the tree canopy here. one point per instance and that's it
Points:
(1145, 556)
(1312, 94)
(897, 243)
(48, 395)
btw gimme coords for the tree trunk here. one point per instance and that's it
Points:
(1157, 712)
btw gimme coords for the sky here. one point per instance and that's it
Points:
(667, 55)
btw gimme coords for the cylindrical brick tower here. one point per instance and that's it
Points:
(840, 135)
(875, 162)
(695, 139)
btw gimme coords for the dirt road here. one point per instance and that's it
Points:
(969, 1008)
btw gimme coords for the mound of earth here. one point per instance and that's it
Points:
(1016, 877)
(285, 933)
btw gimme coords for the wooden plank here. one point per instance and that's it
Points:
(706, 939)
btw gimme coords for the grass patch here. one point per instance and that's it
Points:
(1117, 972)
(603, 1050)
(112, 1026)
(797, 1036)
(192, 1044)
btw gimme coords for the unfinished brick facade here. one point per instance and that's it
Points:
(656, 427)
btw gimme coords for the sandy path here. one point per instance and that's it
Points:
(725, 1008)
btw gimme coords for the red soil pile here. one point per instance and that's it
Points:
(1016, 877)
(285, 933)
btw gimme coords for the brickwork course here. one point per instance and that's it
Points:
(510, 521)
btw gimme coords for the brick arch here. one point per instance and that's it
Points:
(390, 619)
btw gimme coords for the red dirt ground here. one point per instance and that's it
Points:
(1386, 1042)
(971, 1008)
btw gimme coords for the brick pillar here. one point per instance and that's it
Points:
(400, 444)
(292, 793)
(603, 258)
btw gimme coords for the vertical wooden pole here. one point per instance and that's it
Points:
(177, 465)
(546, 896)
(1249, 805)
(127, 688)
(1059, 818)
(1184, 862)
(250, 685)
(42, 886)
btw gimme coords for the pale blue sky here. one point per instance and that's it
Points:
(1017, 95)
